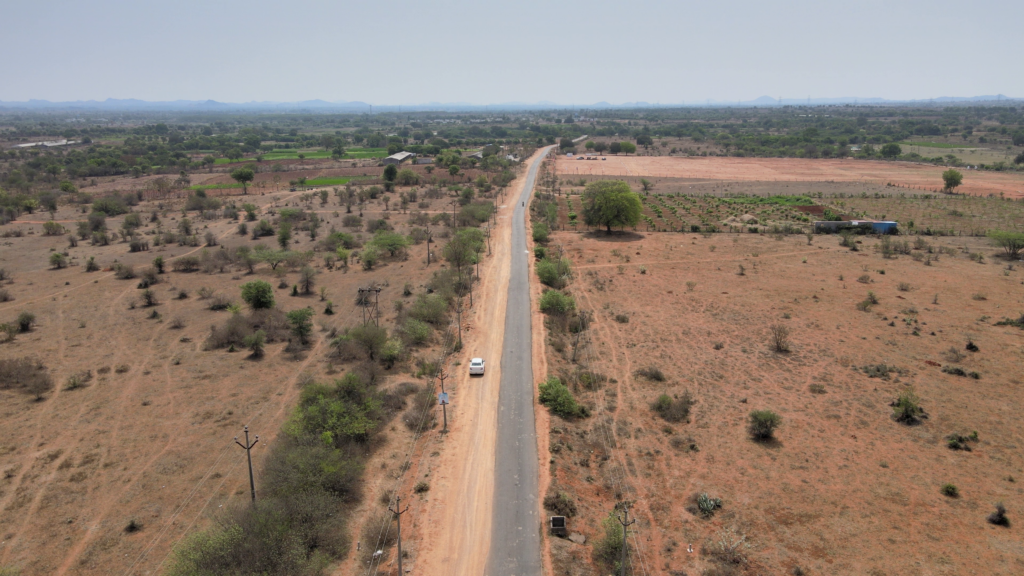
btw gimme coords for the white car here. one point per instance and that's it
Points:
(476, 366)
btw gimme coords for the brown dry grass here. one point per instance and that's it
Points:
(922, 177)
(843, 489)
(149, 437)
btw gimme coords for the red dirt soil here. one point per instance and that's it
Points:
(844, 489)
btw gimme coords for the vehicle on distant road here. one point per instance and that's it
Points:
(476, 366)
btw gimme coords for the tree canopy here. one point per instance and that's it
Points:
(610, 203)
(952, 178)
(1011, 242)
(258, 294)
(243, 176)
(891, 150)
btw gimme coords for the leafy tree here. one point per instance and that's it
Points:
(615, 147)
(1018, 138)
(610, 203)
(307, 279)
(58, 260)
(393, 242)
(1012, 243)
(250, 211)
(644, 140)
(243, 176)
(284, 235)
(1019, 159)
(453, 170)
(589, 145)
(390, 173)
(891, 150)
(302, 324)
(952, 178)
(406, 177)
(258, 294)
(627, 147)
(370, 338)
(566, 143)
(646, 184)
(370, 256)
(67, 187)
(600, 147)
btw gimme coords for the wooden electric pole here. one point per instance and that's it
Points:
(248, 454)
(398, 512)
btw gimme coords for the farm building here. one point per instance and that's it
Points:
(860, 226)
(399, 157)
(419, 161)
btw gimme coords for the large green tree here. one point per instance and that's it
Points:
(891, 150)
(952, 178)
(390, 172)
(610, 203)
(243, 176)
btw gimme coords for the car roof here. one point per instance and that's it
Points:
(475, 360)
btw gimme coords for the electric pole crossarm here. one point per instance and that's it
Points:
(248, 454)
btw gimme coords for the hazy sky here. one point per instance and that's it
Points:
(410, 52)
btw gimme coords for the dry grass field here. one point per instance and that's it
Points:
(919, 177)
(131, 447)
(843, 488)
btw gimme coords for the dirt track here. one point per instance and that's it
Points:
(921, 176)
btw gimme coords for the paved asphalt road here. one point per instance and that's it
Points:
(515, 533)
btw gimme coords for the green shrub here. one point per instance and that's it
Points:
(907, 409)
(674, 409)
(608, 550)
(560, 400)
(416, 331)
(561, 504)
(651, 373)
(58, 260)
(25, 321)
(554, 273)
(707, 505)
(540, 232)
(556, 303)
(430, 308)
(763, 424)
(950, 490)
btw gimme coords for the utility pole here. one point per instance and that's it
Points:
(398, 512)
(455, 202)
(458, 310)
(442, 399)
(624, 520)
(430, 237)
(248, 454)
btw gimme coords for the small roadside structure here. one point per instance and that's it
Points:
(557, 526)
(399, 157)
